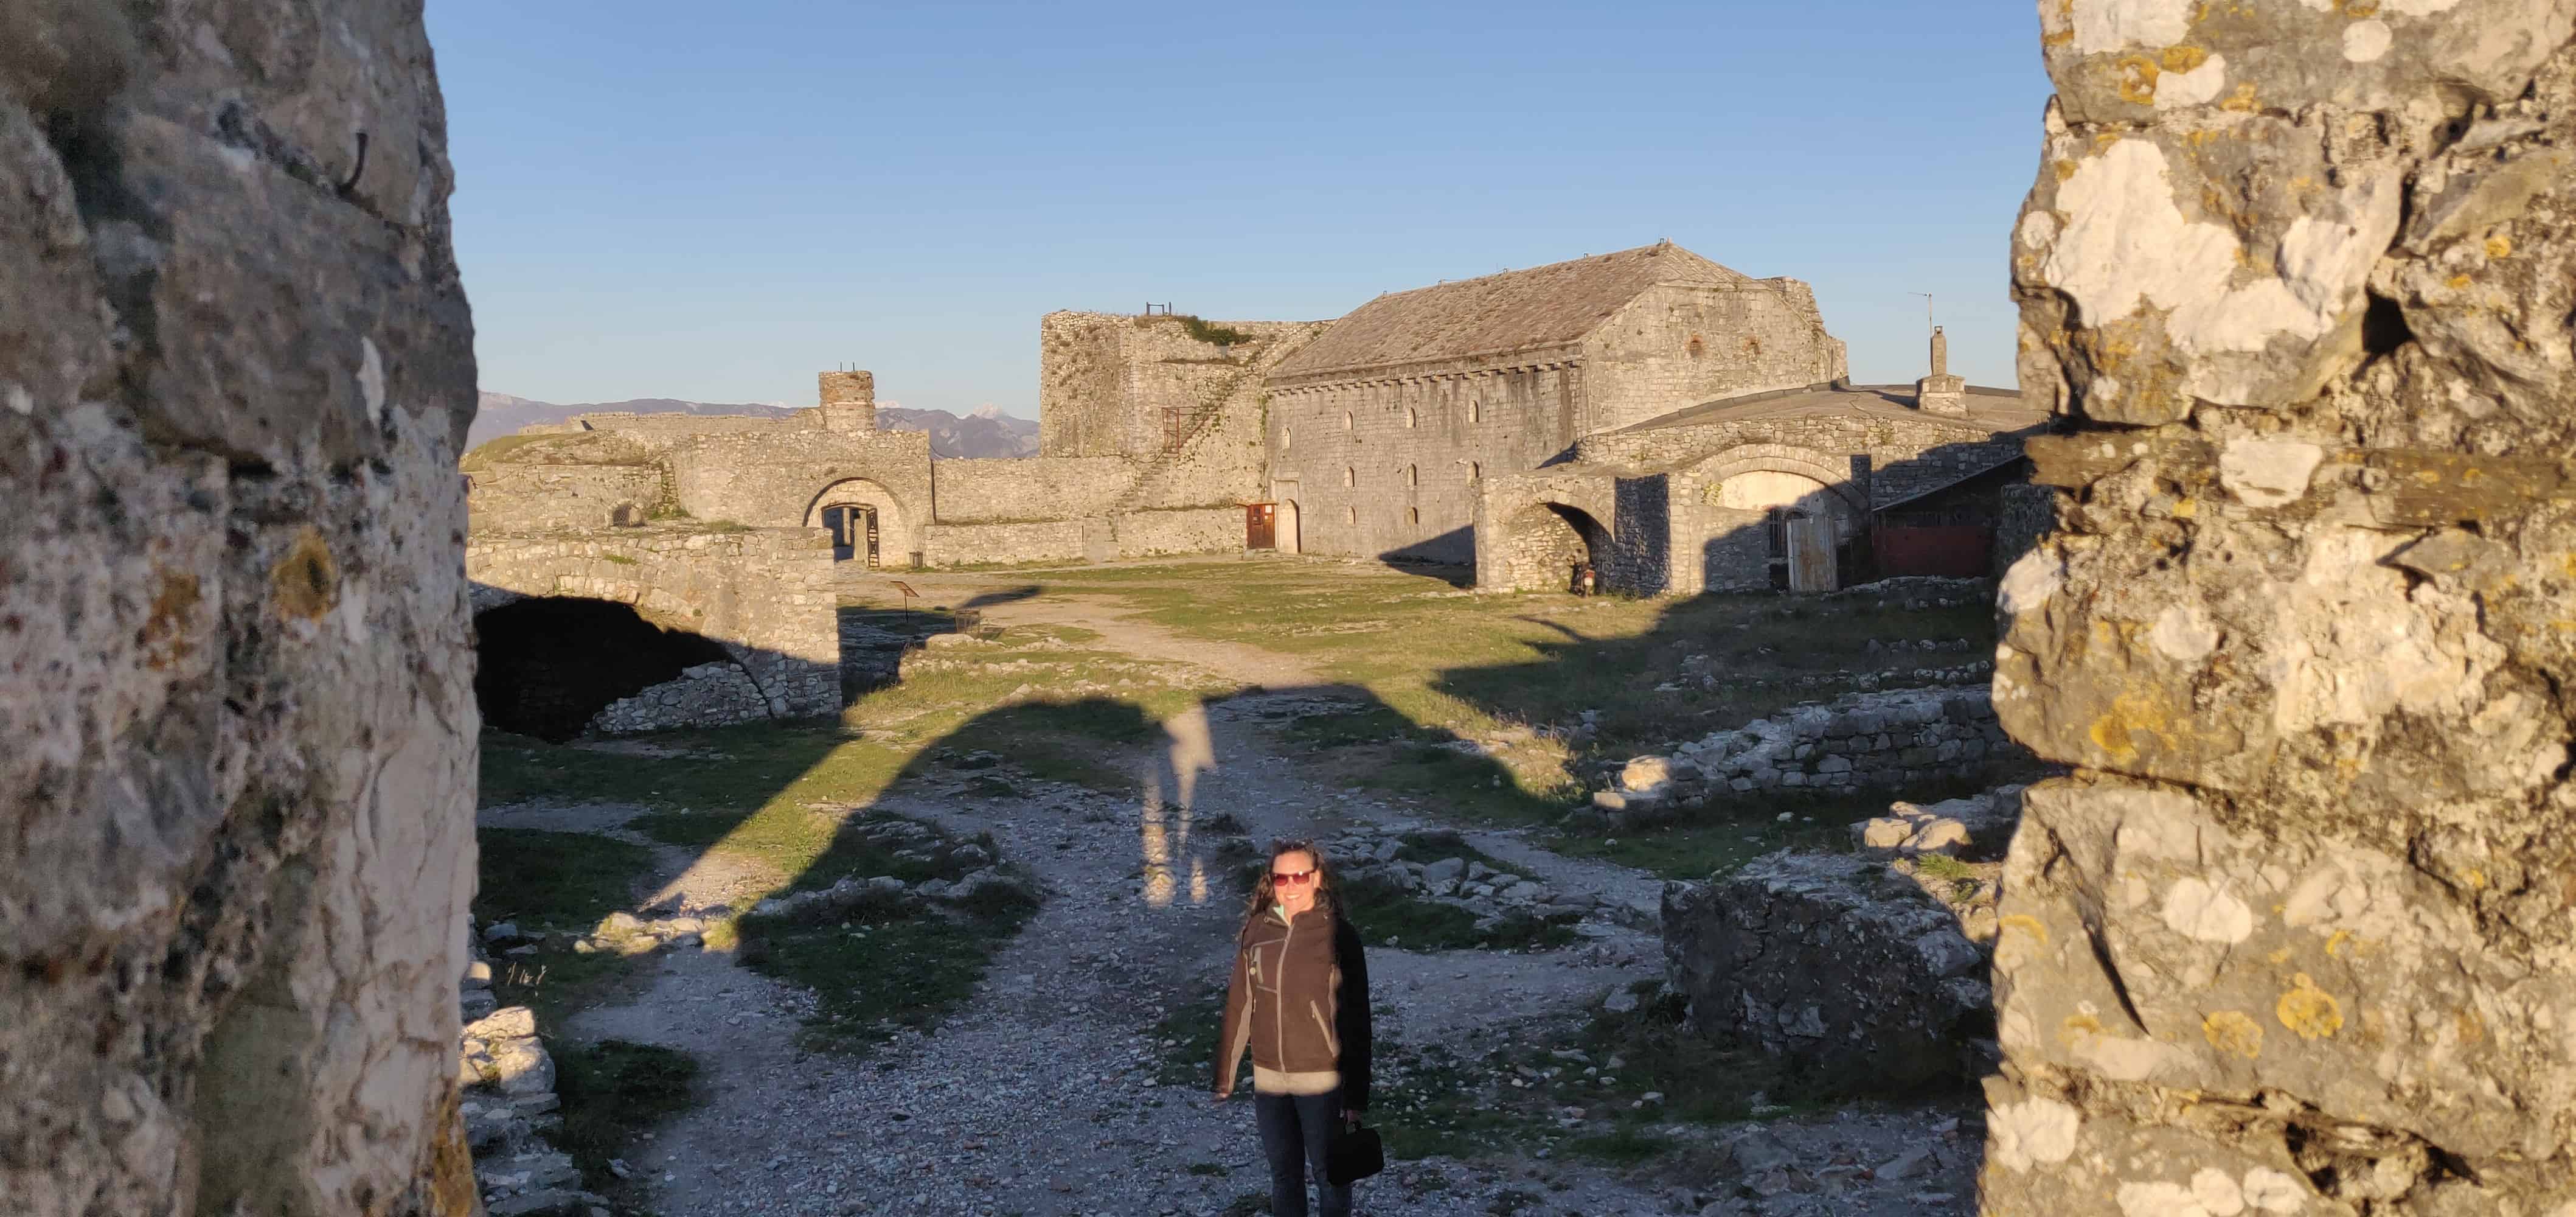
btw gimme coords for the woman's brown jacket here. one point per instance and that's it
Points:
(1299, 1004)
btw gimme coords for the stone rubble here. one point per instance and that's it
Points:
(509, 1107)
(1883, 740)
(1855, 974)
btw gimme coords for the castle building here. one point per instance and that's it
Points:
(1384, 430)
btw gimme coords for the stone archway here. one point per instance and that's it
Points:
(1543, 541)
(866, 521)
(1289, 519)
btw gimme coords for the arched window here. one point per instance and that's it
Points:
(1475, 471)
(1286, 435)
(1350, 515)
(1412, 475)
(1346, 420)
(1475, 410)
(1413, 516)
(1350, 476)
(1412, 418)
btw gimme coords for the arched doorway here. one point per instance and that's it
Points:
(1545, 542)
(1802, 525)
(1288, 543)
(865, 521)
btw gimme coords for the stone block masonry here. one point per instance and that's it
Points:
(2298, 935)
(1895, 740)
(766, 596)
(236, 367)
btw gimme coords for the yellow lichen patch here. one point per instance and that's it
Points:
(2065, 170)
(164, 637)
(2026, 923)
(2233, 1031)
(2309, 1010)
(2182, 58)
(2076, 1027)
(306, 582)
(2499, 246)
(2357, 8)
(2281, 956)
(2186, 508)
(2471, 1030)
(2241, 101)
(2456, 282)
(2335, 943)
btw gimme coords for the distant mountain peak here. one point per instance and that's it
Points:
(987, 410)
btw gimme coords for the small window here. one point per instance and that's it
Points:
(1350, 476)
(1412, 475)
(1413, 516)
(1475, 472)
(1475, 410)
(1350, 515)
(1286, 435)
(1412, 418)
(1346, 420)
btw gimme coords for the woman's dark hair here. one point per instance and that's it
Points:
(1263, 889)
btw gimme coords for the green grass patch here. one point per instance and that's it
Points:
(555, 880)
(612, 1092)
(1187, 1038)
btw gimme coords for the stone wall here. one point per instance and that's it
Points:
(1896, 739)
(2298, 936)
(1396, 464)
(536, 497)
(1119, 385)
(1132, 534)
(766, 595)
(776, 479)
(1680, 344)
(237, 368)
(1020, 489)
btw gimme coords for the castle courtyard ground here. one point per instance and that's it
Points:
(1117, 740)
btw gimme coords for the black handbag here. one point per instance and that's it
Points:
(1353, 1153)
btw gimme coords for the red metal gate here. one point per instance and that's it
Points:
(1955, 550)
(1261, 526)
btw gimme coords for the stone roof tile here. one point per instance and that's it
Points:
(1497, 314)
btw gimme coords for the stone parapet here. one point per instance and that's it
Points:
(2297, 937)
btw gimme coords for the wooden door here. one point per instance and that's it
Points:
(1811, 554)
(1260, 525)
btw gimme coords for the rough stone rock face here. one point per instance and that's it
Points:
(2297, 936)
(235, 362)
(1851, 972)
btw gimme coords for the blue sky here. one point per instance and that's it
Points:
(715, 202)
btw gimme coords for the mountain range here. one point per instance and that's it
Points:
(985, 431)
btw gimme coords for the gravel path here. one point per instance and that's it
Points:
(1040, 1096)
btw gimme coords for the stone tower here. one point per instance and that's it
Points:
(1940, 392)
(849, 400)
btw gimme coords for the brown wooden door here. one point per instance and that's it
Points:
(1260, 525)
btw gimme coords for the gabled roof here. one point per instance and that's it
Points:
(1514, 311)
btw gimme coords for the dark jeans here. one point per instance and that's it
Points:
(1295, 1129)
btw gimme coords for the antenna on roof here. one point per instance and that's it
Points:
(1927, 306)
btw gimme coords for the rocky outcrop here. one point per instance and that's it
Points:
(1851, 972)
(235, 365)
(2297, 937)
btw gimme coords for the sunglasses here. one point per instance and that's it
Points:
(1292, 876)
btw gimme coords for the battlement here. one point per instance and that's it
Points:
(849, 400)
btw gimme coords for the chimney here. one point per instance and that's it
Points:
(1940, 392)
(849, 400)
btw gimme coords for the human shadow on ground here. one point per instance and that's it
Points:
(803, 799)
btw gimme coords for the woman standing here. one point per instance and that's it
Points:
(1299, 1002)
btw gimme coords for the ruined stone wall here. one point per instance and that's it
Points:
(766, 595)
(1104, 538)
(1177, 530)
(1679, 344)
(662, 432)
(2298, 937)
(1108, 384)
(1396, 464)
(945, 545)
(776, 479)
(534, 497)
(988, 490)
(237, 367)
